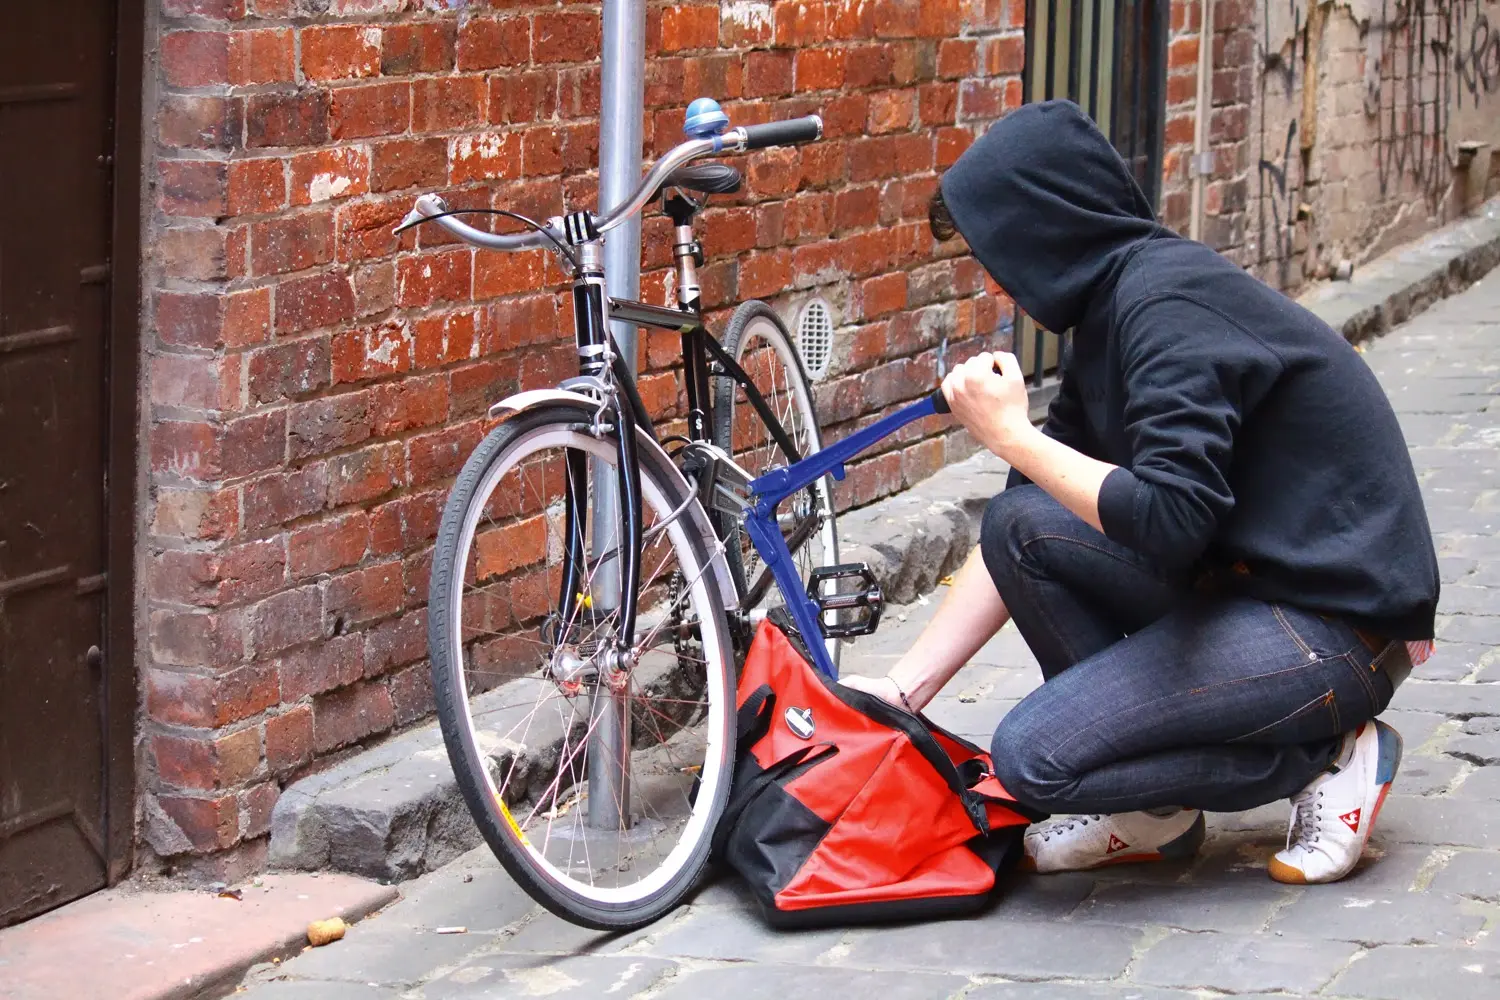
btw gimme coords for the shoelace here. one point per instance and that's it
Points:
(1306, 808)
(1059, 826)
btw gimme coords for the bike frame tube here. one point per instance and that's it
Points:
(770, 490)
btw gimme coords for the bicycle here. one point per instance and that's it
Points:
(630, 576)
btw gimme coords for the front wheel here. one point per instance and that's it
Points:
(761, 345)
(528, 679)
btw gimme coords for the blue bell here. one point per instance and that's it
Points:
(705, 119)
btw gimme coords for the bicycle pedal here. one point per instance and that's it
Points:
(829, 587)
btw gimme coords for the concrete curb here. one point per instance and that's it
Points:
(394, 812)
(1391, 289)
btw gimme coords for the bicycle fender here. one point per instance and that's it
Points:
(532, 398)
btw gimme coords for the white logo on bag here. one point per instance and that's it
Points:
(800, 722)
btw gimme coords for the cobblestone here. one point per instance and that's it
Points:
(1410, 922)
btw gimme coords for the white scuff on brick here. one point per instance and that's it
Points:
(326, 186)
(748, 14)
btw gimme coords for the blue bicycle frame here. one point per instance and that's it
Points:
(767, 492)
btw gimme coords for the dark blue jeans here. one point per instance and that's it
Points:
(1155, 695)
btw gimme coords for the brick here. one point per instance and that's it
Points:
(295, 119)
(291, 243)
(328, 174)
(318, 300)
(256, 187)
(364, 228)
(210, 579)
(350, 715)
(957, 57)
(411, 694)
(199, 122)
(372, 352)
(289, 738)
(410, 403)
(565, 36)
(800, 25)
(365, 474)
(746, 24)
(404, 163)
(208, 824)
(951, 143)
(870, 66)
(328, 545)
(196, 639)
(192, 382)
(256, 807)
(321, 426)
(439, 455)
(289, 370)
(361, 597)
(287, 619)
(542, 151)
(820, 69)
(207, 764)
(223, 10)
(254, 443)
(370, 110)
(285, 496)
(426, 47)
(474, 387)
(185, 449)
(1005, 55)
(199, 515)
(522, 97)
(320, 667)
(891, 111)
(494, 42)
(340, 52)
(689, 27)
(484, 156)
(395, 643)
(260, 57)
(882, 295)
(195, 58)
(447, 103)
(374, 289)
(768, 74)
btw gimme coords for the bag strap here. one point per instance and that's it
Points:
(754, 719)
(741, 796)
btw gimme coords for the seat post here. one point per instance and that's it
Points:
(686, 250)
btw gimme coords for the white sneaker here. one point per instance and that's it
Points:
(1333, 816)
(1076, 843)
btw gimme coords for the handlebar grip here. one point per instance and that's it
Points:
(787, 133)
(940, 402)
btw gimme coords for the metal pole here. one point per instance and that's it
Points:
(621, 108)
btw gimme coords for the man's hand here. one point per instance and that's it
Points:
(991, 404)
(884, 688)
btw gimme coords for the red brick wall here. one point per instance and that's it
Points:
(313, 384)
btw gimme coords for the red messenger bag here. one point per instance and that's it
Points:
(847, 809)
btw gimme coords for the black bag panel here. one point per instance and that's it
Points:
(772, 837)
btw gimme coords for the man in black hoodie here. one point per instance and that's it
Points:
(1215, 546)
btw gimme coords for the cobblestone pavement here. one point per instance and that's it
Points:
(1420, 918)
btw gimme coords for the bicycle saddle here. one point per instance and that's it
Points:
(705, 178)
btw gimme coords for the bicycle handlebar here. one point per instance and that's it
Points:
(735, 140)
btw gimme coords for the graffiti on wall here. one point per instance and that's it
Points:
(1425, 61)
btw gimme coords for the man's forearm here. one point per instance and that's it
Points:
(1071, 477)
(970, 614)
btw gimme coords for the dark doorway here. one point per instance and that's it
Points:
(1109, 57)
(67, 337)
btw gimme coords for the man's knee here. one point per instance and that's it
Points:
(1025, 767)
(1014, 518)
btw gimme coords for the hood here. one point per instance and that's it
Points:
(1048, 207)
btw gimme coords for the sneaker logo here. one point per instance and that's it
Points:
(1351, 820)
(1115, 845)
(800, 722)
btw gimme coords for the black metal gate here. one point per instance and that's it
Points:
(1109, 57)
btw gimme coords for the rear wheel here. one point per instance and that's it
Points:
(761, 345)
(524, 676)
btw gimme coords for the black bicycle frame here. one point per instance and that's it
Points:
(594, 344)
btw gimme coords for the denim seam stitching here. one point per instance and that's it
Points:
(1322, 699)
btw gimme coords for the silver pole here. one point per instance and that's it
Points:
(621, 108)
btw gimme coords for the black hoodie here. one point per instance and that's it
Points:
(1253, 442)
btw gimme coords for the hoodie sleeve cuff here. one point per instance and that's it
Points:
(1117, 506)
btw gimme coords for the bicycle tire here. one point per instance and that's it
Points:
(751, 321)
(471, 765)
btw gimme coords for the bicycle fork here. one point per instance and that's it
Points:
(616, 554)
